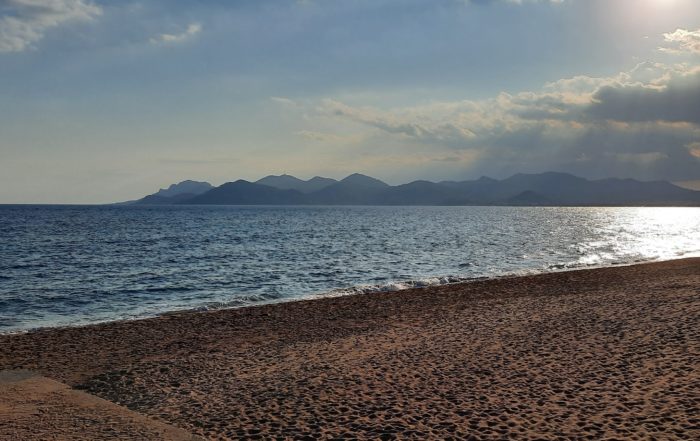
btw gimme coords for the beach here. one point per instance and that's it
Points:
(588, 354)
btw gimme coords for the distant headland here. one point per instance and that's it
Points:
(543, 189)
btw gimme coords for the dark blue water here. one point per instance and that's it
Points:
(65, 265)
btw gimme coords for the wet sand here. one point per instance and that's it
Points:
(593, 354)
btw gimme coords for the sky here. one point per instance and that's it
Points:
(106, 100)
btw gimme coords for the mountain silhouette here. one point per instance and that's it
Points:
(423, 193)
(542, 189)
(176, 193)
(288, 182)
(359, 180)
(356, 189)
(247, 193)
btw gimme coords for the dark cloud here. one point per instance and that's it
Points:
(678, 101)
(642, 123)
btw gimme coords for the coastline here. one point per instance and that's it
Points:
(364, 289)
(599, 352)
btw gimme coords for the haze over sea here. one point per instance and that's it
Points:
(70, 265)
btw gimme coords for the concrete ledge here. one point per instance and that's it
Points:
(33, 407)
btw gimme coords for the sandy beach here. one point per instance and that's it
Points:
(607, 353)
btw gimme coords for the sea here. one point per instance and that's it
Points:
(75, 265)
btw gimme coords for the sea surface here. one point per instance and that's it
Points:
(71, 265)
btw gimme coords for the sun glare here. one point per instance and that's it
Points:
(663, 3)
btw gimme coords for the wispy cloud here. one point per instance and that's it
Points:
(642, 159)
(328, 138)
(284, 101)
(24, 22)
(192, 30)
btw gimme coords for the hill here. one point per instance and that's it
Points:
(542, 189)
(287, 182)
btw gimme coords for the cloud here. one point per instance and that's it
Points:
(644, 123)
(321, 136)
(284, 101)
(683, 40)
(677, 100)
(192, 30)
(330, 138)
(397, 124)
(25, 22)
(645, 158)
(694, 149)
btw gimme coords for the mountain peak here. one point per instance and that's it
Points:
(359, 179)
(289, 182)
(320, 179)
(546, 177)
(185, 187)
(281, 178)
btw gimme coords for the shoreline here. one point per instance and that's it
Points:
(133, 204)
(609, 352)
(364, 289)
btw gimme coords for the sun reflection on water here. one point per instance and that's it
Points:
(646, 234)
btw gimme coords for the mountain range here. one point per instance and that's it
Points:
(543, 189)
(180, 192)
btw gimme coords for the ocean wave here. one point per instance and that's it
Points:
(394, 286)
(455, 279)
(249, 300)
(227, 258)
